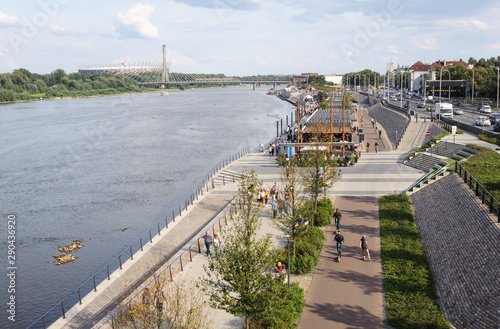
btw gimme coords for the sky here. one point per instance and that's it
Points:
(245, 37)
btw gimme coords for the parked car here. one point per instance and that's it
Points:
(458, 111)
(420, 104)
(496, 127)
(485, 109)
(494, 118)
(483, 121)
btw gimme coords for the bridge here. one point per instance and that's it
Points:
(158, 73)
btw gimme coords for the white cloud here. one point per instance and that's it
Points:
(135, 22)
(63, 30)
(428, 43)
(389, 49)
(479, 24)
(6, 20)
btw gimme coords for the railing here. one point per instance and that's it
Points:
(480, 191)
(75, 296)
(175, 266)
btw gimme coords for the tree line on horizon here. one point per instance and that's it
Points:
(23, 85)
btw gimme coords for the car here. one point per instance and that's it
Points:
(407, 105)
(421, 104)
(485, 109)
(458, 111)
(496, 127)
(393, 98)
(494, 118)
(459, 103)
(483, 121)
(430, 108)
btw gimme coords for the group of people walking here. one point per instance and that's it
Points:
(339, 239)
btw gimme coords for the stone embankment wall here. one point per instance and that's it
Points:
(462, 242)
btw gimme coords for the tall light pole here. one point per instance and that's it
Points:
(359, 80)
(440, 84)
(401, 95)
(472, 98)
(498, 79)
(449, 77)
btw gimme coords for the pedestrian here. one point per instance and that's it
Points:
(146, 298)
(216, 244)
(339, 239)
(380, 134)
(274, 207)
(367, 147)
(373, 122)
(337, 216)
(363, 245)
(416, 117)
(208, 242)
(376, 147)
(376, 128)
(262, 147)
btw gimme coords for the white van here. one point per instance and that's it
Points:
(445, 110)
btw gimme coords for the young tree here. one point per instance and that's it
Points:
(290, 217)
(236, 276)
(178, 304)
(316, 178)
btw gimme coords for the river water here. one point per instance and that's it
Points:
(87, 168)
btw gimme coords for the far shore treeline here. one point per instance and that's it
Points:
(23, 85)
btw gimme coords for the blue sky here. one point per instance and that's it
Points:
(245, 37)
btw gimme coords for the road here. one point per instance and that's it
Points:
(469, 116)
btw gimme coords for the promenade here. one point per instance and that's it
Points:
(348, 294)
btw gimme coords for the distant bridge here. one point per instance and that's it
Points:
(158, 73)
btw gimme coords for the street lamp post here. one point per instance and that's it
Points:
(498, 78)
(401, 95)
(440, 84)
(472, 98)
(288, 267)
(449, 79)
(359, 81)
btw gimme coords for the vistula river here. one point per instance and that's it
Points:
(87, 168)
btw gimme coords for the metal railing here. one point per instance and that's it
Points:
(176, 265)
(485, 196)
(76, 296)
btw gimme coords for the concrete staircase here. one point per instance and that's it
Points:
(423, 162)
(446, 149)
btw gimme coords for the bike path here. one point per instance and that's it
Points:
(348, 294)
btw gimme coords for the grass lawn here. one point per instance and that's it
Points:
(411, 297)
(485, 167)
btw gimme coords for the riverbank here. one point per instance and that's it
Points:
(43, 98)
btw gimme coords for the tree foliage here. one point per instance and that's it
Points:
(178, 304)
(239, 274)
(21, 84)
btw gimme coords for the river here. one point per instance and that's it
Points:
(87, 168)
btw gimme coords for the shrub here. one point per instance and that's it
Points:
(306, 258)
(281, 159)
(322, 215)
(316, 238)
(281, 306)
